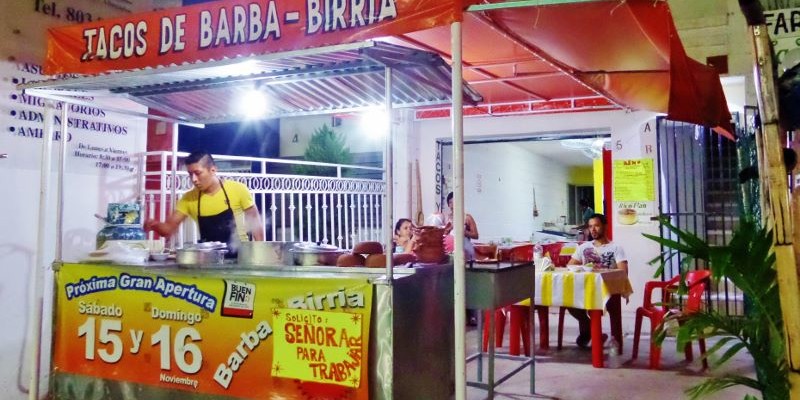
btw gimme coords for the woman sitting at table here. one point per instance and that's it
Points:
(404, 239)
(603, 254)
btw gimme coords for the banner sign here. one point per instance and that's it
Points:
(241, 336)
(784, 32)
(226, 29)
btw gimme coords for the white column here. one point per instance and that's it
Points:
(388, 205)
(459, 274)
(62, 165)
(36, 281)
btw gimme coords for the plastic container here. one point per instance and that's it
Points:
(538, 252)
(613, 354)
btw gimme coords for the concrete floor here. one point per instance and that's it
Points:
(568, 374)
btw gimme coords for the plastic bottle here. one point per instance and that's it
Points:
(613, 354)
(537, 252)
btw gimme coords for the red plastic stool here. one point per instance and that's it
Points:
(500, 325)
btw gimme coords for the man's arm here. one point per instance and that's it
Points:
(253, 221)
(577, 257)
(166, 228)
(471, 230)
(574, 261)
(623, 265)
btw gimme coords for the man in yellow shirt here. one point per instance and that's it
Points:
(224, 210)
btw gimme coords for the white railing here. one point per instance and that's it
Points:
(328, 209)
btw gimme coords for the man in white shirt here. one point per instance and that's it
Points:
(604, 254)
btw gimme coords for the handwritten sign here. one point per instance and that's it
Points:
(318, 346)
(634, 180)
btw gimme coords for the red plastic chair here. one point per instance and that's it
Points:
(523, 253)
(519, 324)
(696, 281)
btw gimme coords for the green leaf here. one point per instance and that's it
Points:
(715, 384)
(713, 349)
(729, 353)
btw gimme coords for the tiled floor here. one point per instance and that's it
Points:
(569, 375)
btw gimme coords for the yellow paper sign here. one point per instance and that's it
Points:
(634, 180)
(318, 346)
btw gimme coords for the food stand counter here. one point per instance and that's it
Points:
(160, 331)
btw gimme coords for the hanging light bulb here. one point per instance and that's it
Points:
(253, 104)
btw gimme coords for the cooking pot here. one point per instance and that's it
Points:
(200, 257)
(265, 253)
(315, 254)
(202, 254)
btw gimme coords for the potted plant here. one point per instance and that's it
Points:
(749, 263)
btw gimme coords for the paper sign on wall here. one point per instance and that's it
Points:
(634, 180)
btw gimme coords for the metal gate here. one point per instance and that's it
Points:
(699, 192)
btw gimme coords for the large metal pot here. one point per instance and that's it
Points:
(202, 254)
(315, 254)
(265, 253)
(200, 257)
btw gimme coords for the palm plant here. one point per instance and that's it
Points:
(749, 263)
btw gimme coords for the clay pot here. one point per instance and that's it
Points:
(368, 248)
(430, 244)
(379, 260)
(350, 260)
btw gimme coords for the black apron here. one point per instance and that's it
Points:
(220, 227)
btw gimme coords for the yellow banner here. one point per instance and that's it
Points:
(246, 336)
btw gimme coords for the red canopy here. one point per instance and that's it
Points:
(571, 56)
(627, 52)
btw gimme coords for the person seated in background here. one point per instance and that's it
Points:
(404, 238)
(603, 254)
(586, 211)
(470, 231)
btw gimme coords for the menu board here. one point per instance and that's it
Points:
(634, 180)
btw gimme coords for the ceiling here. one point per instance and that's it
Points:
(553, 150)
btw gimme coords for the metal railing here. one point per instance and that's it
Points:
(335, 209)
(698, 192)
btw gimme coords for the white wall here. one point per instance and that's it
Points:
(498, 189)
(624, 126)
(89, 186)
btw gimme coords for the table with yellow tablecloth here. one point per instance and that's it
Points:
(592, 291)
(585, 290)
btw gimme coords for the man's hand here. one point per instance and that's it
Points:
(166, 228)
(253, 221)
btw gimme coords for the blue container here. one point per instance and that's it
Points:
(124, 214)
(119, 232)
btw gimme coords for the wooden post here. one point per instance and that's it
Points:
(776, 194)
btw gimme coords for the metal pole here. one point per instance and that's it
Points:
(388, 167)
(62, 165)
(174, 185)
(162, 189)
(459, 273)
(36, 283)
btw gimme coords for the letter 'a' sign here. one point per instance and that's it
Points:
(230, 28)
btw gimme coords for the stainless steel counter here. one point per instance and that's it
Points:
(489, 287)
